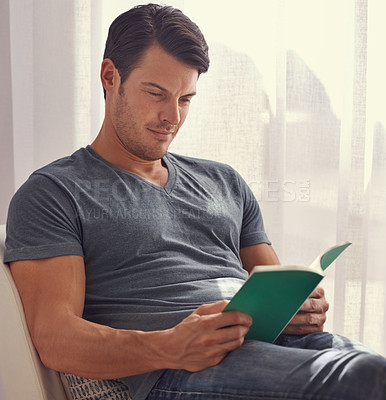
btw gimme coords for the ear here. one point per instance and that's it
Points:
(109, 75)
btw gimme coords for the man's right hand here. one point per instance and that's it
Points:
(205, 337)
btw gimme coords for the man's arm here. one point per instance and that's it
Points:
(53, 290)
(312, 315)
(259, 254)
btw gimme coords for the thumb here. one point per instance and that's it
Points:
(212, 308)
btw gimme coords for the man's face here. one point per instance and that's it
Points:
(148, 109)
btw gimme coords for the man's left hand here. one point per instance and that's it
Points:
(312, 315)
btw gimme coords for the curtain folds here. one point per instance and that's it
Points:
(292, 100)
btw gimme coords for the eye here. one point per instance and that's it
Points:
(155, 94)
(185, 100)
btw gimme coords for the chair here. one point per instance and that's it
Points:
(22, 375)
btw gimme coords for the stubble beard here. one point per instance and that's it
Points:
(128, 133)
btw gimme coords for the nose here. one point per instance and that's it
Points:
(171, 113)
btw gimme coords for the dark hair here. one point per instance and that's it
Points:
(132, 32)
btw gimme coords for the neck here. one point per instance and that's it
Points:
(110, 148)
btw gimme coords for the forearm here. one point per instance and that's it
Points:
(200, 341)
(95, 351)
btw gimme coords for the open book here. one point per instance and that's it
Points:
(273, 294)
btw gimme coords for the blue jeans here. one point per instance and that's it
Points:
(319, 366)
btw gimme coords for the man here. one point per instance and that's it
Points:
(123, 253)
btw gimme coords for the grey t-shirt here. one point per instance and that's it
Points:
(152, 254)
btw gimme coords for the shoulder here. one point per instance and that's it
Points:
(70, 167)
(55, 180)
(81, 167)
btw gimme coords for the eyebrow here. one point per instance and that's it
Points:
(165, 90)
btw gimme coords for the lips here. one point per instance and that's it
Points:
(161, 134)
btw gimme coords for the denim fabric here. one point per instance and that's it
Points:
(339, 369)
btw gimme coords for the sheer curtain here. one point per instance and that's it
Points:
(292, 101)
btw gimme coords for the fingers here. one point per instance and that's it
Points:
(318, 293)
(304, 323)
(315, 305)
(214, 318)
(316, 302)
(311, 316)
(230, 318)
(309, 319)
(230, 334)
(213, 348)
(205, 337)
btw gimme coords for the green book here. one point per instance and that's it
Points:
(273, 294)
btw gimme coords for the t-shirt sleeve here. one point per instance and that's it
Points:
(42, 222)
(252, 231)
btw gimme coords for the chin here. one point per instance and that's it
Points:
(152, 156)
